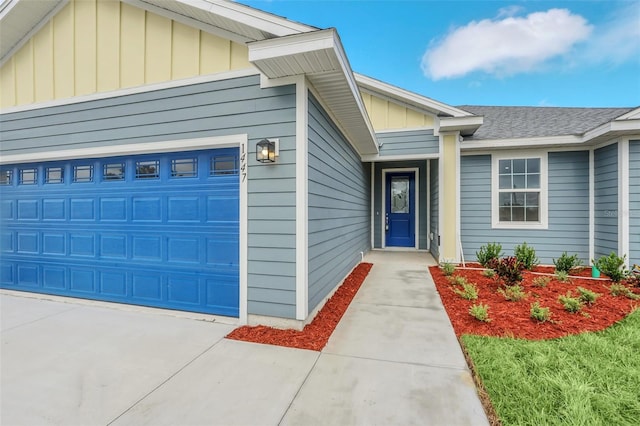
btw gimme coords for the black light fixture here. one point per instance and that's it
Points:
(266, 151)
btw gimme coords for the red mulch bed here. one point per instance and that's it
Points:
(511, 319)
(315, 335)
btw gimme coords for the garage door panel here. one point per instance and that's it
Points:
(170, 241)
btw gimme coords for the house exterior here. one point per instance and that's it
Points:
(129, 166)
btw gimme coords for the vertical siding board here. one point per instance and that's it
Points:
(272, 219)
(239, 56)
(157, 49)
(185, 61)
(132, 43)
(215, 54)
(568, 209)
(85, 47)
(606, 200)
(63, 53)
(108, 46)
(43, 66)
(434, 194)
(24, 73)
(8, 84)
(339, 223)
(634, 201)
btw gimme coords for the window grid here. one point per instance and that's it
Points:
(113, 171)
(185, 167)
(6, 177)
(54, 175)
(28, 176)
(83, 173)
(224, 165)
(519, 190)
(147, 169)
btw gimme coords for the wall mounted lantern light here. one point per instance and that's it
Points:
(267, 150)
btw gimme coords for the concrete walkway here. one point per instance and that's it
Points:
(393, 360)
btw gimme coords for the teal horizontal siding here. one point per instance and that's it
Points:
(568, 197)
(634, 201)
(218, 108)
(423, 231)
(606, 200)
(410, 142)
(339, 218)
(434, 193)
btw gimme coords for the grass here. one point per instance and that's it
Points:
(586, 379)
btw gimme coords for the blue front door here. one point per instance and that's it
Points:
(400, 212)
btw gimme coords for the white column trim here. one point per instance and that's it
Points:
(302, 199)
(244, 232)
(373, 205)
(440, 194)
(592, 205)
(458, 221)
(428, 192)
(623, 198)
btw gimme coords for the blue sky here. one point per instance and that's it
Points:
(538, 53)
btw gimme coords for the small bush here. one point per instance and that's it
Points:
(613, 266)
(457, 280)
(539, 313)
(448, 268)
(566, 263)
(618, 289)
(562, 276)
(587, 296)
(489, 273)
(469, 291)
(526, 255)
(513, 293)
(571, 304)
(480, 312)
(489, 252)
(541, 281)
(509, 269)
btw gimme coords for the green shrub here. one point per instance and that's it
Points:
(539, 313)
(488, 253)
(489, 273)
(566, 263)
(617, 289)
(613, 266)
(448, 268)
(562, 276)
(509, 269)
(480, 312)
(587, 296)
(571, 304)
(457, 280)
(513, 293)
(526, 255)
(469, 291)
(541, 281)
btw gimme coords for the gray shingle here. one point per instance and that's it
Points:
(506, 122)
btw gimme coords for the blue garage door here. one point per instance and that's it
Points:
(155, 230)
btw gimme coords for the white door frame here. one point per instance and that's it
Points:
(416, 200)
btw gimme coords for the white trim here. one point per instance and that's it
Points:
(244, 231)
(416, 203)
(302, 200)
(406, 157)
(24, 39)
(440, 197)
(592, 205)
(460, 124)
(126, 149)
(635, 113)
(407, 129)
(544, 189)
(458, 199)
(526, 143)
(373, 206)
(428, 192)
(226, 75)
(574, 148)
(623, 199)
(408, 97)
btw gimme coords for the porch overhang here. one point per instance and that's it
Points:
(320, 57)
(465, 125)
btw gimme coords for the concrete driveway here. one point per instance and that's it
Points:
(393, 359)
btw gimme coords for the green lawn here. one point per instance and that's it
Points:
(587, 379)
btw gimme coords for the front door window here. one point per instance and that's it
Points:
(399, 195)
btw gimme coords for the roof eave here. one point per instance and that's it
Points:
(465, 125)
(320, 57)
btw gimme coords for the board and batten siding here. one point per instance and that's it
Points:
(234, 106)
(409, 142)
(568, 197)
(385, 114)
(339, 217)
(94, 46)
(423, 231)
(634, 202)
(434, 193)
(606, 200)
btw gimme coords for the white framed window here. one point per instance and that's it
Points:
(519, 190)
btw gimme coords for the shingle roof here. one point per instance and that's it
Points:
(508, 122)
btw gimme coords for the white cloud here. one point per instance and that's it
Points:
(505, 45)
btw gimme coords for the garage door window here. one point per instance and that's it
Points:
(28, 176)
(147, 169)
(54, 175)
(6, 177)
(83, 173)
(113, 171)
(185, 167)
(224, 165)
